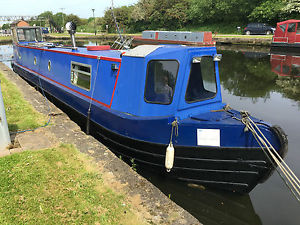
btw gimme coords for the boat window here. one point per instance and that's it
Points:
(292, 27)
(81, 75)
(278, 68)
(202, 81)
(160, 81)
(298, 28)
(21, 36)
(285, 69)
(282, 27)
(295, 70)
(38, 34)
(29, 34)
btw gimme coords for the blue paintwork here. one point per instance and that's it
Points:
(127, 113)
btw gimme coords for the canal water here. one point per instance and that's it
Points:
(267, 84)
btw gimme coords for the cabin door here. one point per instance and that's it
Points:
(106, 81)
(298, 33)
(291, 32)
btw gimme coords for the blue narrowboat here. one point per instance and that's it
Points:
(158, 104)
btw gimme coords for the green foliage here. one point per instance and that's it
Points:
(160, 14)
(133, 164)
(5, 26)
(292, 9)
(46, 15)
(221, 10)
(75, 19)
(123, 19)
(269, 11)
(216, 28)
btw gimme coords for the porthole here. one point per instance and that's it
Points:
(34, 60)
(49, 65)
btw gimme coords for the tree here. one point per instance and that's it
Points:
(46, 15)
(5, 26)
(292, 9)
(75, 19)
(60, 19)
(269, 11)
(123, 17)
(158, 14)
(212, 11)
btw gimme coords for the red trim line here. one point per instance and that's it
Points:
(115, 86)
(73, 53)
(101, 103)
(110, 59)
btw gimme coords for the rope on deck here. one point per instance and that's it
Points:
(288, 176)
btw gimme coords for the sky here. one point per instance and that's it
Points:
(82, 8)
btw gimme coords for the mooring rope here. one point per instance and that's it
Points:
(289, 177)
(91, 99)
(174, 130)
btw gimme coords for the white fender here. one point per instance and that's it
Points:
(170, 151)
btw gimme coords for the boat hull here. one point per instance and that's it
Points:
(235, 169)
(284, 45)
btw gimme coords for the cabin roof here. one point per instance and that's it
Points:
(82, 50)
(139, 51)
(288, 21)
(29, 27)
(142, 50)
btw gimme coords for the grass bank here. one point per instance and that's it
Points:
(5, 39)
(58, 186)
(20, 114)
(268, 37)
(54, 186)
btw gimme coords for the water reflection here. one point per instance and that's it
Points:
(244, 75)
(256, 74)
(210, 207)
(287, 67)
(6, 52)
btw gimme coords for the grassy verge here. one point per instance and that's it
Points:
(5, 37)
(58, 186)
(89, 34)
(243, 36)
(220, 28)
(20, 114)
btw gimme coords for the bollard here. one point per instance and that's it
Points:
(4, 134)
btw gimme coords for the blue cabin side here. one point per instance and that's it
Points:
(120, 82)
(131, 86)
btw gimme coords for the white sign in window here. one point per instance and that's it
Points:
(208, 137)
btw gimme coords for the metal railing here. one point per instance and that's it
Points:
(122, 43)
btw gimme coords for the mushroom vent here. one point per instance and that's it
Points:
(71, 27)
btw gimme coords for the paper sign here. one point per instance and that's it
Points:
(208, 137)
